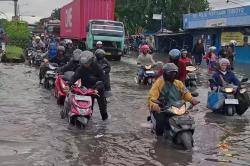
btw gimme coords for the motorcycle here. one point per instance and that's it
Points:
(181, 124)
(37, 57)
(229, 92)
(50, 76)
(78, 105)
(60, 84)
(148, 76)
(191, 79)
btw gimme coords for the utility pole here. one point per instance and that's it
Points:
(15, 7)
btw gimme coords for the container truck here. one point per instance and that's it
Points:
(86, 22)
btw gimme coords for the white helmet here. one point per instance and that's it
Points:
(212, 48)
(233, 42)
(99, 43)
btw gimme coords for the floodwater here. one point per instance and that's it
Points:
(32, 133)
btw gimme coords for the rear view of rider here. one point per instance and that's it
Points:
(103, 62)
(90, 73)
(144, 59)
(74, 62)
(167, 90)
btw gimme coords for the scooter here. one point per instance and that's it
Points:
(37, 57)
(78, 105)
(60, 83)
(148, 77)
(191, 80)
(229, 91)
(50, 76)
(181, 124)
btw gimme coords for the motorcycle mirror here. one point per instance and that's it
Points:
(195, 94)
(244, 80)
(156, 102)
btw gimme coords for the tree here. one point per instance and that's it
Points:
(56, 14)
(137, 14)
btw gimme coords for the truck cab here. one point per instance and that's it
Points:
(112, 35)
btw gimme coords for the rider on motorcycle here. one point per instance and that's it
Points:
(99, 45)
(38, 44)
(69, 48)
(223, 75)
(103, 62)
(144, 59)
(90, 73)
(183, 62)
(169, 90)
(73, 64)
(60, 59)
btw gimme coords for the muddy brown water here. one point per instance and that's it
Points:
(32, 133)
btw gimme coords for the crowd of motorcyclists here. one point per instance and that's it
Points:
(168, 81)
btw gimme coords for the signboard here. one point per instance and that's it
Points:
(157, 16)
(226, 37)
(239, 16)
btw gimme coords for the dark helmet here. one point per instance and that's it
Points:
(87, 57)
(100, 53)
(77, 55)
(170, 71)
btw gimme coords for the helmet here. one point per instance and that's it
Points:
(224, 61)
(37, 38)
(174, 54)
(212, 48)
(99, 53)
(42, 35)
(184, 51)
(87, 57)
(99, 43)
(233, 42)
(61, 48)
(144, 47)
(170, 72)
(170, 67)
(68, 41)
(77, 55)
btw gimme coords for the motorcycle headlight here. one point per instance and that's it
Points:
(229, 90)
(178, 111)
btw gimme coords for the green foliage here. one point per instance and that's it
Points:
(137, 14)
(56, 14)
(18, 33)
(13, 52)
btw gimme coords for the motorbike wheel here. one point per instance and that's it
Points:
(149, 81)
(62, 114)
(230, 110)
(186, 139)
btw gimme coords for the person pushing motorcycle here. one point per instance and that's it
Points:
(169, 90)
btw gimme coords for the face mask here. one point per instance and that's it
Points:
(170, 76)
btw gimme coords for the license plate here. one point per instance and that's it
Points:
(150, 72)
(108, 53)
(50, 72)
(83, 98)
(231, 101)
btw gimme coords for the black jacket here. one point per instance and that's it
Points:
(89, 76)
(105, 65)
(70, 66)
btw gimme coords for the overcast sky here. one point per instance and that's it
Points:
(43, 8)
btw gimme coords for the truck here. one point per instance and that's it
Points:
(86, 22)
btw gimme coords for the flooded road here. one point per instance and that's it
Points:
(32, 132)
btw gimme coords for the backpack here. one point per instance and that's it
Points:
(52, 50)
